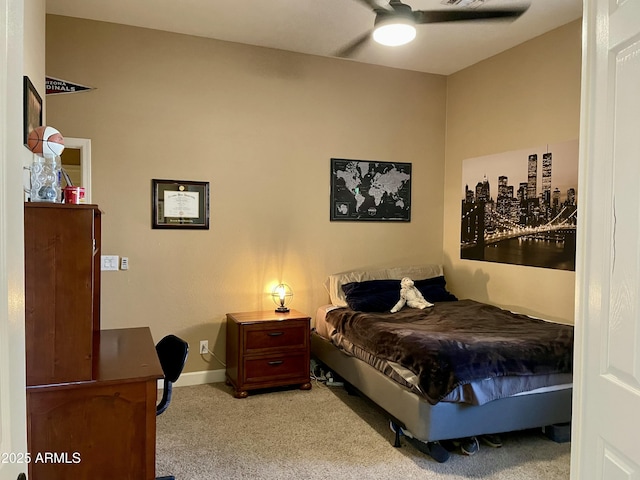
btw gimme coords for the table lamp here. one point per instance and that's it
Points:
(282, 295)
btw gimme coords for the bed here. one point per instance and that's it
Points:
(458, 369)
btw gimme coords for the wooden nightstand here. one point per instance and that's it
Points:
(267, 349)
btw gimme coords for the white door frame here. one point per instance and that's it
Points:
(13, 431)
(84, 145)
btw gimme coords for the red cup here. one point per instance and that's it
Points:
(74, 195)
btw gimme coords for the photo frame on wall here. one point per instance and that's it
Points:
(32, 108)
(180, 204)
(370, 190)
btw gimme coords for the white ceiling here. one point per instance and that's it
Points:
(322, 27)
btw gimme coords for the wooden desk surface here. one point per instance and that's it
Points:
(127, 354)
(124, 355)
(109, 422)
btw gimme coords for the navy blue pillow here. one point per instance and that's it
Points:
(433, 290)
(382, 295)
(372, 295)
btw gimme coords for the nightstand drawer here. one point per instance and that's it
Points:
(276, 335)
(265, 369)
(267, 349)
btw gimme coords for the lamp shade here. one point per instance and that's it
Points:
(397, 28)
(282, 295)
(394, 33)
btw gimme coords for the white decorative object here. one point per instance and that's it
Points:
(410, 296)
(45, 179)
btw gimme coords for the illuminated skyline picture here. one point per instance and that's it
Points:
(520, 207)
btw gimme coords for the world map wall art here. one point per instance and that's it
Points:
(521, 207)
(368, 190)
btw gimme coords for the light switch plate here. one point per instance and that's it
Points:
(109, 262)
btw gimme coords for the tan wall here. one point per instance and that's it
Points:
(34, 43)
(523, 98)
(260, 125)
(33, 66)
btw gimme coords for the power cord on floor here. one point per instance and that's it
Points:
(332, 382)
(216, 357)
(316, 379)
(319, 375)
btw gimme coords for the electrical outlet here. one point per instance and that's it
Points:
(124, 263)
(204, 346)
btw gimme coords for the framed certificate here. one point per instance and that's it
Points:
(180, 204)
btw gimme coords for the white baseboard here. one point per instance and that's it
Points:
(198, 378)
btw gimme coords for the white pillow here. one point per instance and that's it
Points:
(334, 283)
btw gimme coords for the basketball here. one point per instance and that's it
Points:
(45, 141)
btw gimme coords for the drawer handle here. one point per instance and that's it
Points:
(276, 362)
(275, 334)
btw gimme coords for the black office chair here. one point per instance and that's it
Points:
(172, 353)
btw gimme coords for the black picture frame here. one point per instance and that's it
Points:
(370, 191)
(32, 108)
(180, 204)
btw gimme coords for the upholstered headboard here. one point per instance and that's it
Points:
(334, 282)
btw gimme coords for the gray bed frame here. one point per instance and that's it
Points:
(429, 423)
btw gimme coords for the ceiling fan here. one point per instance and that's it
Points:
(395, 22)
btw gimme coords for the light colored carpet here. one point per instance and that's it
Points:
(323, 433)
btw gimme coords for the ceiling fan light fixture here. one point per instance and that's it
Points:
(394, 31)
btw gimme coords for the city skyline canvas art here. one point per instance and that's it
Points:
(520, 207)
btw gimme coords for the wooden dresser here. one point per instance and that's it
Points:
(91, 393)
(267, 349)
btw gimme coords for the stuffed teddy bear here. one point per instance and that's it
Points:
(410, 296)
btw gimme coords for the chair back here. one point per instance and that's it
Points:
(172, 352)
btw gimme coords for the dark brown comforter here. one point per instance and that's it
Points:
(453, 343)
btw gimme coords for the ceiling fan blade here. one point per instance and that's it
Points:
(442, 16)
(373, 5)
(353, 47)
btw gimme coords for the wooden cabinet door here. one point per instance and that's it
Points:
(92, 431)
(62, 304)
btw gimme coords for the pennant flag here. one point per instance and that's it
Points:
(55, 86)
